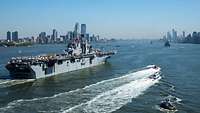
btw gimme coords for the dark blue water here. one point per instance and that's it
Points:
(109, 87)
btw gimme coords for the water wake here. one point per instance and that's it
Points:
(105, 96)
(114, 99)
(8, 83)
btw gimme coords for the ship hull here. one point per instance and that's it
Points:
(61, 66)
(20, 71)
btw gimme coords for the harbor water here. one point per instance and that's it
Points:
(118, 86)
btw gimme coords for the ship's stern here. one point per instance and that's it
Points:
(20, 71)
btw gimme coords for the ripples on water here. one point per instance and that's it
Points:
(106, 88)
(102, 97)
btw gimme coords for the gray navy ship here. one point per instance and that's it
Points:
(78, 55)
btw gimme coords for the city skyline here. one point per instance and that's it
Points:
(78, 33)
(108, 18)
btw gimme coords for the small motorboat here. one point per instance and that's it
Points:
(154, 76)
(167, 105)
(155, 68)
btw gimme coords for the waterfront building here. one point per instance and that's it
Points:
(54, 36)
(76, 27)
(87, 36)
(94, 38)
(64, 38)
(70, 35)
(164, 38)
(8, 36)
(83, 29)
(198, 34)
(32, 39)
(15, 36)
(183, 34)
(42, 39)
(194, 34)
(49, 39)
(76, 31)
(169, 37)
(42, 34)
(174, 35)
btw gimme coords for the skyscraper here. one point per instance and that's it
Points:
(76, 30)
(183, 34)
(15, 36)
(169, 37)
(70, 35)
(76, 27)
(83, 29)
(42, 38)
(54, 36)
(8, 36)
(194, 34)
(174, 35)
(42, 34)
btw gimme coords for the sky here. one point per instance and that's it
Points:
(108, 18)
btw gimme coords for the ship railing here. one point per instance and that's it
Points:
(42, 59)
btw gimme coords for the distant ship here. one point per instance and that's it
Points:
(167, 44)
(78, 55)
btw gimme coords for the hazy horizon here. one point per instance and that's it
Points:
(107, 18)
